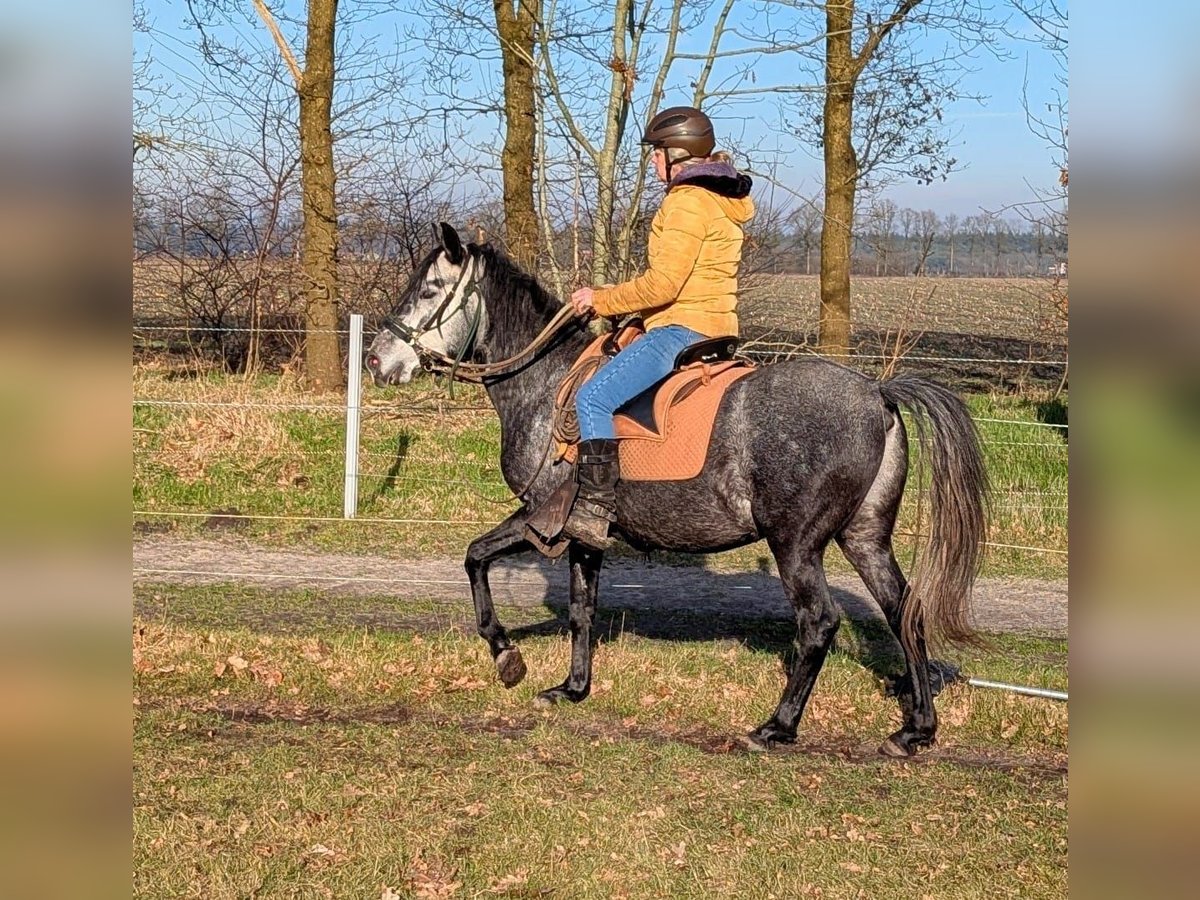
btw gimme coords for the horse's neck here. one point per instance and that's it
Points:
(524, 400)
(518, 311)
(514, 322)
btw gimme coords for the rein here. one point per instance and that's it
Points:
(435, 361)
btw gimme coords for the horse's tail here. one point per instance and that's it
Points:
(940, 590)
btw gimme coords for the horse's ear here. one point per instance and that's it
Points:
(452, 244)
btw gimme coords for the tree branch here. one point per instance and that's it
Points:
(718, 30)
(625, 238)
(284, 50)
(568, 119)
(876, 34)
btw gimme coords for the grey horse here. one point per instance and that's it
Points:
(804, 452)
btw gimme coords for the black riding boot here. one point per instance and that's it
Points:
(597, 470)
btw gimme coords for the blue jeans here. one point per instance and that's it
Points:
(642, 364)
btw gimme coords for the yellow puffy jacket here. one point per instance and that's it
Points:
(694, 250)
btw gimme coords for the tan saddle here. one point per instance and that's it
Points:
(665, 431)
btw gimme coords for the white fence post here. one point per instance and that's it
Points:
(353, 415)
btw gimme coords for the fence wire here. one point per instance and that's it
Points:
(399, 472)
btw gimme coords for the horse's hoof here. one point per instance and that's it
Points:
(554, 695)
(895, 749)
(510, 667)
(752, 743)
(765, 737)
(904, 743)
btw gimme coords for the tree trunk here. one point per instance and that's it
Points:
(841, 178)
(318, 261)
(615, 115)
(926, 247)
(515, 20)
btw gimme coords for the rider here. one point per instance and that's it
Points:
(688, 294)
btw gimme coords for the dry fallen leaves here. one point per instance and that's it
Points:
(509, 883)
(259, 670)
(433, 880)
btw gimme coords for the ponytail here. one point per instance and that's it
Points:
(681, 159)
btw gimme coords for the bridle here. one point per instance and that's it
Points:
(436, 361)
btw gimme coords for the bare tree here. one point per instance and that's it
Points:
(926, 228)
(864, 61)
(608, 114)
(806, 228)
(331, 132)
(214, 205)
(1000, 230)
(157, 112)
(976, 228)
(1048, 120)
(908, 227)
(318, 179)
(951, 225)
(1047, 117)
(869, 98)
(881, 230)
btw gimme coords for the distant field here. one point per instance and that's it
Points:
(978, 335)
(996, 307)
(1000, 307)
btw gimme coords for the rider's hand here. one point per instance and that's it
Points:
(583, 301)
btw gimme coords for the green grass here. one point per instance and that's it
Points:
(288, 744)
(425, 460)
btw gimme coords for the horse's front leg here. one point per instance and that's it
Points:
(505, 539)
(585, 585)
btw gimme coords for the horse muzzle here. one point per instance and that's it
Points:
(390, 362)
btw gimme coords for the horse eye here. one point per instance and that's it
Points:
(427, 294)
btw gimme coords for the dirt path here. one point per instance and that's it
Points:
(1015, 605)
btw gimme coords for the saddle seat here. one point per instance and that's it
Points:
(665, 431)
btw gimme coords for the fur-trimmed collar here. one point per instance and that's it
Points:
(719, 177)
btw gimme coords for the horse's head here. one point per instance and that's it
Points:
(439, 313)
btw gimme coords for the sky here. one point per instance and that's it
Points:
(1000, 161)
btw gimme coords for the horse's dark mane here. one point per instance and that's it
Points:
(518, 308)
(505, 277)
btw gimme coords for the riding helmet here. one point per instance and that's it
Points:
(683, 127)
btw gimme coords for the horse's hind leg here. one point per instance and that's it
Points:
(817, 619)
(867, 543)
(585, 585)
(869, 550)
(505, 539)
